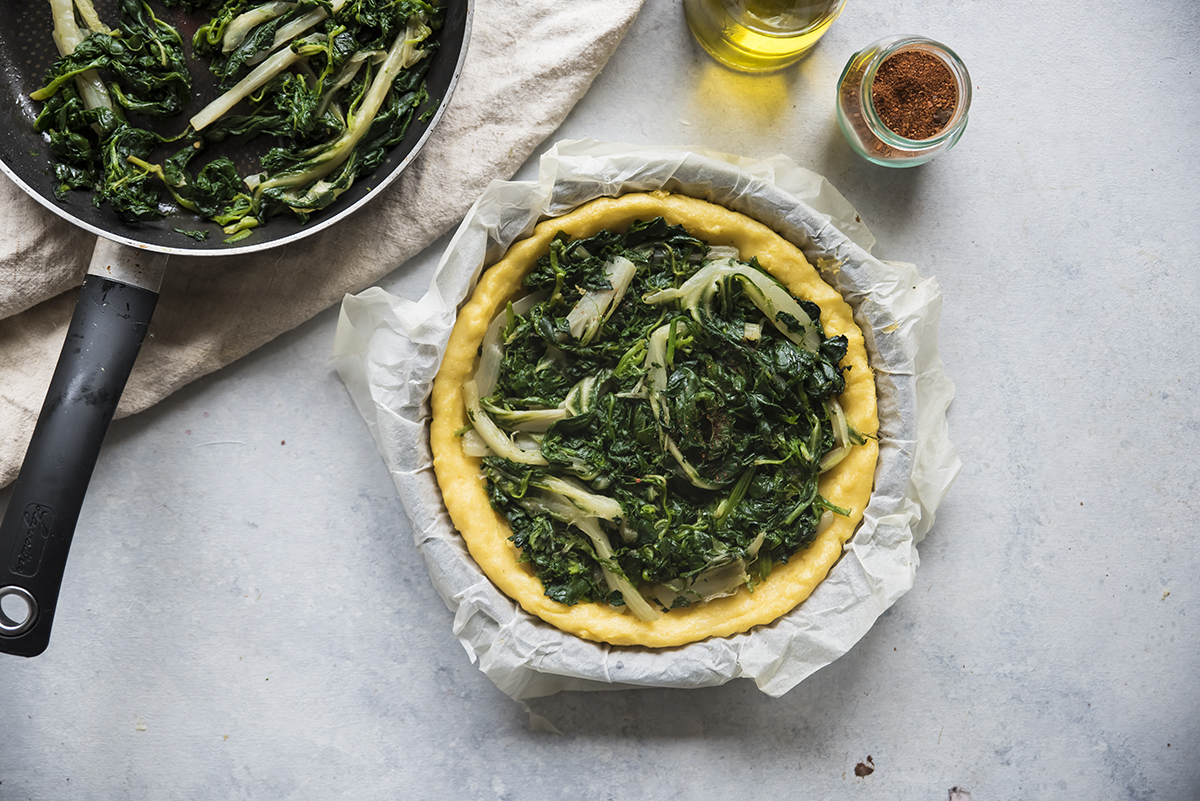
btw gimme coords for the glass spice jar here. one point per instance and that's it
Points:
(902, 100)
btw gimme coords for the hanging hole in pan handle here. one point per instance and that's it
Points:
(18, 610)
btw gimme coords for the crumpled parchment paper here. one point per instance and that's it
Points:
(388, 350)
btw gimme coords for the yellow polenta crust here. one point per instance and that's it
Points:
(461, 479)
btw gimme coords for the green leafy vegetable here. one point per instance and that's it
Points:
(659, 414)
(333, 83)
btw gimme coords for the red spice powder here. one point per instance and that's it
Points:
(914, 94)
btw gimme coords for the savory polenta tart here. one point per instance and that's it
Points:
(654, 422)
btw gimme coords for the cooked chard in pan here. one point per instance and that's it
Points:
(326, 87)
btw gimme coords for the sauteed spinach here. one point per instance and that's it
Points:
(333, 84)
(656, 413)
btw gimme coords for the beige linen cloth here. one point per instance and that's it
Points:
(527, 64)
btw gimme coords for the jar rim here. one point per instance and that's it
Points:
(958, 70)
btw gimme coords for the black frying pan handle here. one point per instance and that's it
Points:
(103, 339)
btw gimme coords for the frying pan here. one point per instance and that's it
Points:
(119, 294)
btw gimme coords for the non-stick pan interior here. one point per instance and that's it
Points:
(27, 52)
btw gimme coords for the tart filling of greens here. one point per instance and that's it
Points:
(659, 421)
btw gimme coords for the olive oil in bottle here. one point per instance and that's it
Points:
(759, 35)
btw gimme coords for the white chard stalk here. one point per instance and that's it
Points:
(575, 506)
(297, 27)
(240, 28)
(401, 55)
(87, 12)
(762, 290)
(257, 78)
(67, 36)
(500, 442)
(597, 306)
